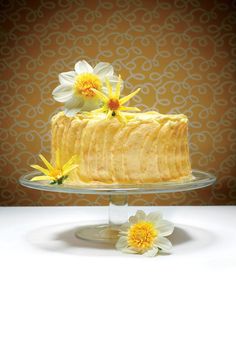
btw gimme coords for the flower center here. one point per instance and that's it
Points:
(141, 236)
(56, 173)
(113, 104)
(84, 84)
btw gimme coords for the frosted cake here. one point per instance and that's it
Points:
(97, 139)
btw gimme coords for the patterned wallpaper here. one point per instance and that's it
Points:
(181, 53)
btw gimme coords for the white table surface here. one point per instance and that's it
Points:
(61, 298)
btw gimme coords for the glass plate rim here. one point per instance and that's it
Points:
(201, 179)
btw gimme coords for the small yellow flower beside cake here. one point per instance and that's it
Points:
(57, 173)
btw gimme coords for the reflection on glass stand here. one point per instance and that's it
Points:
(118, 199)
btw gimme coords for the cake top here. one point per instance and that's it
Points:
(95, 93)
(148, 116)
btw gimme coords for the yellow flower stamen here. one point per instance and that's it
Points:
(113, 104)
(56, 174)
(141, 236)
(85, 83)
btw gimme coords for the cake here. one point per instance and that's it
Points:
(98, 140)
(149, 148)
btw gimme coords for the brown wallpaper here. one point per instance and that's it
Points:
(181, 53)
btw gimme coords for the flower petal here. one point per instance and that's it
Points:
(165, 227)
(74, 102)
(151, 252)
(98, 111)
(69, 169)
(114, 79)
(118, 87)
(154, 216)
(63, 93)
(46, 162)
(103, 69)
(129, 108)
(90, 104)
(83, 67)
(164, 244)
(73, 161)
(101, 96)
(71, 112)
(113, 86)
(74, 105)
(128, 97)
(121, 243)
(128, 250)
(139, 216)
(41, 169)
(40, 177)
(67, 77)
(109, 87)
(125, 226)
(109, 114)
(122, 118)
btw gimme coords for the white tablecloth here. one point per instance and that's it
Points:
(63, 298)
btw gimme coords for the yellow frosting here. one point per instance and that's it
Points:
(150, 147)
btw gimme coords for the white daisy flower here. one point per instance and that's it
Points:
(75, 89)
(145, 234)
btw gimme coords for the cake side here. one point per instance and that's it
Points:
(150, 147)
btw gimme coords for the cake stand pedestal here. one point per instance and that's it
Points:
(118, 199)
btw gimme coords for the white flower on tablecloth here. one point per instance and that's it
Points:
(76, 87)
(145, 234)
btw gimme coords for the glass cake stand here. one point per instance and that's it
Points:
(118, 199)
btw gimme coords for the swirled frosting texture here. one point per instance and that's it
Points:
(150, 147)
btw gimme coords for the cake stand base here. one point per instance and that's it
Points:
(107, 233)
(99, 233)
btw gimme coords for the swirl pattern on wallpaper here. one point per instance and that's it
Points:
(181, 53)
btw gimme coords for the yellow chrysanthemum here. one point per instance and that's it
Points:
(113, 104)
(141, 236)
(58, 173)
(84, 84)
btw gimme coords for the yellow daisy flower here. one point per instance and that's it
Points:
(58, 173)
(112, 104)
